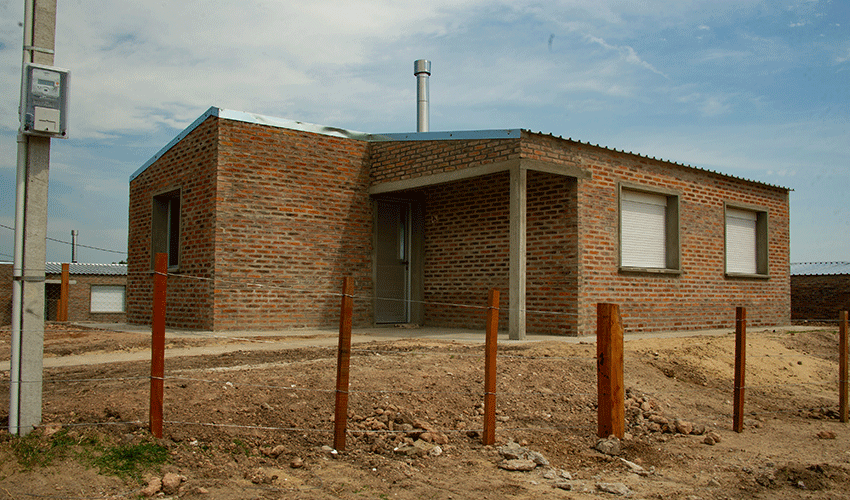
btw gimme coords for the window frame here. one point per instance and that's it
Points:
(166, 210)
(673, 248)
(92, 290)
(761, 241)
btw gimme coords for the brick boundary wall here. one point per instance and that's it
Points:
(819, 297)
(6, 294)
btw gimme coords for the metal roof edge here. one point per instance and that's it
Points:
(701, 169)
(272, 121)
(834, 268)
(212, 111)
(78, 268)
(458, 135)
(245, 117)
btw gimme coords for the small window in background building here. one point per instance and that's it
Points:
(165, 228)
(107, 298)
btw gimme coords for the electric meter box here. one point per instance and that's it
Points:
(45, 101)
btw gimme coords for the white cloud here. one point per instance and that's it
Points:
(708, 105)
(627, 54)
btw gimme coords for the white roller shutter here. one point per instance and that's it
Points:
(107, 299)
(741, 254)
(643, 229)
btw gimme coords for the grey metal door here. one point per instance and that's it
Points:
(392, 286)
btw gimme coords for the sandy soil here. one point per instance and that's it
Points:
(273, 412)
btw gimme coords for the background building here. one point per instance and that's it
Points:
(96, 292)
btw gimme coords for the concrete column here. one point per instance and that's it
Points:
(32, 312)
(27, 405)
(516, 313)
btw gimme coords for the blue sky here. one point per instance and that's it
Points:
(756, 89)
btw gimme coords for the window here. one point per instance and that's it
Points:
(107, 298)
(165, 228)
(649, 231)
(746, 242)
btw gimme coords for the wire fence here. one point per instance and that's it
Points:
(398, 391)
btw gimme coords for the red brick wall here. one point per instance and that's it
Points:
(551, 255)
(294, 216)
(276, 217)
(189, 166)
(394, 161)
(819, 297)
(79, 297)
(467, 251)
(701, 296)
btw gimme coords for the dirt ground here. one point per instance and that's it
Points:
(257, 424)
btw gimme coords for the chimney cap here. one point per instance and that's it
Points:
(421, 66)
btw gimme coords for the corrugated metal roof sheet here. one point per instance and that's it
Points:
(819, 268)
(81, 268)
(685, 165)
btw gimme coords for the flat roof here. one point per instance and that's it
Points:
(272, 121)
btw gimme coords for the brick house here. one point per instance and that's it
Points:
(96, 292)
(263, 217)
(819, 290)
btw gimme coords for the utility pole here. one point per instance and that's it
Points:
(25, 398)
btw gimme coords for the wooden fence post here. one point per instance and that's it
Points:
(740, 368)
(342, 364)
(609, 372)
(842, 366)
(160, 281)
(62, 312)
(490, 350)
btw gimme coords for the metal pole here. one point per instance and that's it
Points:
(18, 264)
(422, 70)
(74, 246)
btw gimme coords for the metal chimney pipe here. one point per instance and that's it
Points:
(422, 70)
(74, 245)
